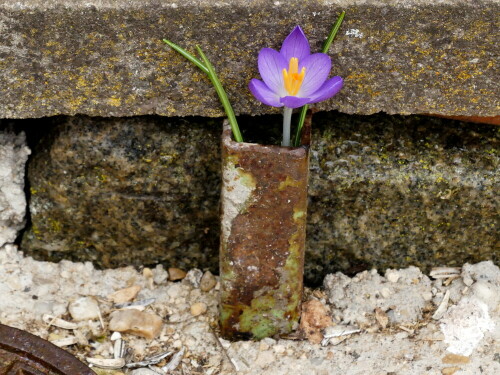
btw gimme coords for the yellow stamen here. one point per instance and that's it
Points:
(292, 78)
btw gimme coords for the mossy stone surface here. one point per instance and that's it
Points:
(126, 191)
(394, 191)
(385, 191)
(107, 58)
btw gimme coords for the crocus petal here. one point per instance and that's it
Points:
(329, 88)
(318, 68)
(294, 102)
(271, 65)
(295, 45)
(264, 93)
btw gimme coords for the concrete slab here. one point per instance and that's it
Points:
(106, 58)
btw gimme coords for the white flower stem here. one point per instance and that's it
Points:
(287, 119)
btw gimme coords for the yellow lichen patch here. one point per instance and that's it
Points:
(55, 225)
(36, 231)
(114, 101)
(463, 76)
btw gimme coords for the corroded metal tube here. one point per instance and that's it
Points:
(264, 203)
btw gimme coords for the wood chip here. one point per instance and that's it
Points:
(174, 362)
(58, 322)
(118, 348)
(106, 363)
(449, 280)
(149, 361)
(406, 329)
(67, 341)
(443, 306)
(334, 335)
(381, 317)
(444, 272)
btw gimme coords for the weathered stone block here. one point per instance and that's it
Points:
(385, 191)
(126, 191)
(388, 191)
(106, 58)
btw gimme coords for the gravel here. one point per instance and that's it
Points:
(375, 324)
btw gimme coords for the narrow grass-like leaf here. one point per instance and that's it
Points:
(298, 133)
(326, 47)
(187, 55)
(222, 96)
(333, 32)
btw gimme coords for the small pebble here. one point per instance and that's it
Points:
(467, 279)
(125, 295)
(427, 296)
(136, 322)
(148, 275)
(175, 274)
(451, 358)
(279, 349)
(385, 292)
(84, 308)
(177, 344)
(198, 308)
(450, 370)
(160, 275)
(263, 346)
(488, 293)
(392, 276)
(207, 282)
(194, 277)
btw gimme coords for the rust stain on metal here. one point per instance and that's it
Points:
(264, 203)
(22, 353)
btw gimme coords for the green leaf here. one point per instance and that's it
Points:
(333, 32)
(187, 55)
(222, 96)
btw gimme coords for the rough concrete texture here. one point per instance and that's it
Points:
(385, 191)
(106, 58)
(13, 156)
(36, 293)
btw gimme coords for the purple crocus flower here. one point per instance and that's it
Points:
(293, 76)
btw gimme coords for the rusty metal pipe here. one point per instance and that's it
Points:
(263, 204)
